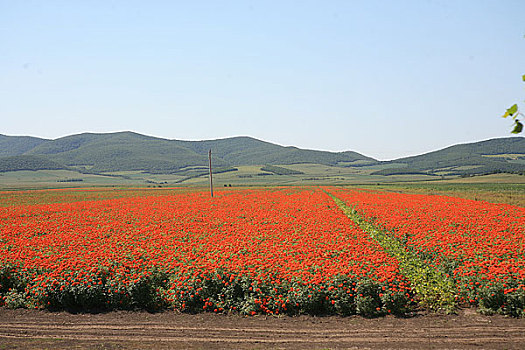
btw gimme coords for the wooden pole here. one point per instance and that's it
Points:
(211, 177)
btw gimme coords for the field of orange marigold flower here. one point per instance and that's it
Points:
(248, 251)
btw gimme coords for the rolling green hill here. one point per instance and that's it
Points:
(482, 157)
(250, 151)
(123, 151)
(128, 151)
(17, 145)
(25, 162)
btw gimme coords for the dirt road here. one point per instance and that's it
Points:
(29, 329)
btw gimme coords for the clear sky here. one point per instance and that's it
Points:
(383, 78)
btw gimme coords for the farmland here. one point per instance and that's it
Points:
(291, 250)
(252, 251)
(477, 246)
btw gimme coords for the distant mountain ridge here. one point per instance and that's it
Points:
(129, 151)
(483, 157)
(18, 145)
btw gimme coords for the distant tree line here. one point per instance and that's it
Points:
(33, 163)
(277, 170)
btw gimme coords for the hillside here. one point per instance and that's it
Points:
(484, 157)
(128, 151)
(124, 151)
(250, 151)
(26, 162)
(18, 145)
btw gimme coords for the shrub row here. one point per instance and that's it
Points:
(344, 296)
(220, 292)
(96, 290)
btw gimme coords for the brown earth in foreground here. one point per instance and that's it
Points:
(33, 329)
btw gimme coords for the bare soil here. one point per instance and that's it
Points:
(34, 329)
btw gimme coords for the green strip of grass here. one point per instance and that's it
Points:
(435, 290)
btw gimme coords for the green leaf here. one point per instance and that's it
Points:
(511, 111)
(523, 77)
(517, 128)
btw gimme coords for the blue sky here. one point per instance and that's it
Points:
(383, 78)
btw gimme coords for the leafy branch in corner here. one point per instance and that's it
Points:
(514, 112)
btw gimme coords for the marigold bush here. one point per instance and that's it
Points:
(478, 244)
(269, 251)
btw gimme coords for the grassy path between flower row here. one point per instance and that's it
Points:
(434, 289)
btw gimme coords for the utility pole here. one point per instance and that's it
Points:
(211, 177)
